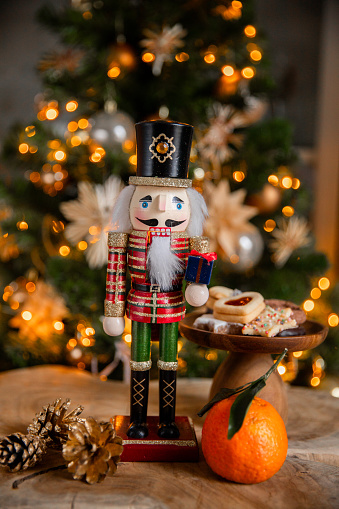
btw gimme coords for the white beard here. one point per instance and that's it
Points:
(163, 266)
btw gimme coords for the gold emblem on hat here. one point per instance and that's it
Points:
(162, 147)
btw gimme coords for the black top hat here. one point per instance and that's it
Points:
(163, 151)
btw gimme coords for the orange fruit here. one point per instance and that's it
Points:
(255, 453)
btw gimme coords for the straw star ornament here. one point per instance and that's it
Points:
(290, 235)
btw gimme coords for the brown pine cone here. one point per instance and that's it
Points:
(92, 450)
(52, 423)
(18, 451)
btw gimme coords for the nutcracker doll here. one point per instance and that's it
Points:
(157, 223)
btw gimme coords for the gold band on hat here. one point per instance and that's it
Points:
(159, 181)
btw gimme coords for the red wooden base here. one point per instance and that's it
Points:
(153, 448)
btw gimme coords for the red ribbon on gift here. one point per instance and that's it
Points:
(210, 257)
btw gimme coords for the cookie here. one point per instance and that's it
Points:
(297, 313)
(209, 323)
(216, 293)
(270, 322)
(242, 308)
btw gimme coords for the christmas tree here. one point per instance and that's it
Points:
(205, 63)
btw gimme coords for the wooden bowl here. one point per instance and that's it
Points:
(315, 335)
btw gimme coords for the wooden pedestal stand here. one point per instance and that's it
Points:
(250, 357)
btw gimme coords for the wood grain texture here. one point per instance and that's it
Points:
(315, 335)
(308, 479)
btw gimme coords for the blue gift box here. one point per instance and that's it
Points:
(198, 270)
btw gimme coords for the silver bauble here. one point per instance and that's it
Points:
(109, 129)
(249, 250)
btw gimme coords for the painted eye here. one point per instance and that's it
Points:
(144, 204)
(179, 206)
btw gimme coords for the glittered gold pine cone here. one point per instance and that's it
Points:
(92, 450)
(18, 451)
(53, 422)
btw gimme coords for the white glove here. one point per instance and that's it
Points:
(114, 325)
(196, 295)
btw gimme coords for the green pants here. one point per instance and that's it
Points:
(141, 342)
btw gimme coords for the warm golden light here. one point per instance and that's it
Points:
(182, 57)
(133, 160)
(64, 250)
(114, 72)
(26, 315)
(148, 57)
(248, 72)
(86, 342)
(87, 15)
(269, 226)
(59, 155)
(227, 70)
(288, 211)
(22, 225)
(95, 157)
(199, 173)
(51, 113)
(286, 182)
(72, 343)
(256, 55)
(23, 148)
(30, 286)
(71, 106)
(100, 151)
(324, 283)
(58, 326)
(82, 245)
(72, 126)
(128, 145)
(83, 123)
(89, 331)
(308, 305)
(209, 58)
(297, 354)
(295, 183)
(103, 378)
(333, 320)
(273, 179)
(128, 338)
(236, 4)
(281, 369)
(315, 381)
(250, 31)
(211, 355)
(93, 230)
(238, 176)
(75, 141)
(30, 131)
(315, 293)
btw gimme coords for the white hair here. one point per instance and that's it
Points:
(198, 214)
(121, 219)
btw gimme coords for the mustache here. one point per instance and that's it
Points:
(170, 223)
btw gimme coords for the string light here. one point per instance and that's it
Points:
(256, 55)
(30, 131)
(58, 326)
(273, 179)
(324, 283)
(248, 72)
(51, 113)
(209, 58)
(227, 70)
(72, 126)
(71, 106)
(308, 305)
(64, 250)
(83, 123)
(295, 183)
(269, 225)
(26, 315)
(238, 176)
(30, 287)
(22, 225)
(288, 211)
(133, 160)
(148, 57)
(23, 148)
(333, 320)
(315, 293)
(182, 57)
(250, 31)
(82, 245)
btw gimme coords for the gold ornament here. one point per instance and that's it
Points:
(292, 234)
(18, 451)
(92, 450)
(90, 217)
(228, 217)
(53, 422)
(163, 45)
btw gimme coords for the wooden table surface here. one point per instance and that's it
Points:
(308, 479)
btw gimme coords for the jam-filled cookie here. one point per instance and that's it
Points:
(242, 308)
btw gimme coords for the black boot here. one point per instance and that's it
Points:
(167, 393)
(139, 399)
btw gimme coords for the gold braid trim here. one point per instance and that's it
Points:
(168, 366)
(140, 365)
(114, 309)
(117, 239)
(200, 244)
(160, 181)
